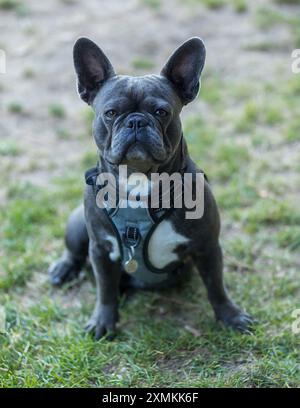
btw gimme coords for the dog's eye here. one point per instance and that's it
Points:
(161, 112)
(111, 113)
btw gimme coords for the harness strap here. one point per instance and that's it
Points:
(134, 227)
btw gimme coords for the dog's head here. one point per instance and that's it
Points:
(137, 118)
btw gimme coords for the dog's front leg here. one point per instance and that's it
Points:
(107, 274)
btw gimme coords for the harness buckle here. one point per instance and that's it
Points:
(131, 239)
(132, 236)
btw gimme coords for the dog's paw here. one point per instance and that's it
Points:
(241, 322)
(103, 323)
(234, 318)
(62, 271)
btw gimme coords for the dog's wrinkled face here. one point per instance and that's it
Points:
(137, 121)
(137, 118)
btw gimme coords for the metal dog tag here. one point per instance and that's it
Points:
(131, 264)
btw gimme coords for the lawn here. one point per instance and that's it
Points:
(246, 136)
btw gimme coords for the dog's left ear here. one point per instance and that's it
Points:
(184, 68)
(92, 67)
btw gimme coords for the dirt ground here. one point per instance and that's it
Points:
(38, 43)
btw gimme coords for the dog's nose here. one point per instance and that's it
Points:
(136, 121)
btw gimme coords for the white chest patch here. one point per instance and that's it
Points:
(162, 244)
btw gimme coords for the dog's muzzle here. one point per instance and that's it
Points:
(137, 140)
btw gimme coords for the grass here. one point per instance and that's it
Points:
(15, 107)
(245, 135)
(143, 64)
(165, 338)
(214, 4)
(267, 17)
(17, 6)
(240, 6)
(293, 131)
(265, 46)
(9, 148)
(63, 134)
(57, 111)
(9, 4)
(29, 73)
(293, 2)
(153, 4)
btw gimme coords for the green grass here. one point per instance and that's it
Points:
(9, 4)
(240, 6)
(211, 89)
(267, 17)
(9, 148)
(293, 2)
(209, 4)
(265, 46)
(57, 111)
(29, 73)
(15, 107)
(144, 64)
(17, 6)
(44, 344)
(293, 131)
(153, 4)
(214, 4)
(63, 134)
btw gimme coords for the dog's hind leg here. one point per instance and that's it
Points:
(70, 264)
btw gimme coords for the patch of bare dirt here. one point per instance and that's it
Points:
(39, 44)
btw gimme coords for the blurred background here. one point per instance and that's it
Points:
(243, 130)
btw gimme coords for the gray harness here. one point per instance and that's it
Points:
(134, 228)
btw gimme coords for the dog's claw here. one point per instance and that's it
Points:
(236, 319)
(100, 330)
(103, 323)
(241, 322)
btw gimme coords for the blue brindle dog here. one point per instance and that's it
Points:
(137, 123)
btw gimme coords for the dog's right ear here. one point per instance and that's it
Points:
(92, 67)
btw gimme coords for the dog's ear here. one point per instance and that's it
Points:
(184, 68)
(92, 67)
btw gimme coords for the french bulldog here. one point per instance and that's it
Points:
(137, 124)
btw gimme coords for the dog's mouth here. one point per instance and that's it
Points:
(138, 157)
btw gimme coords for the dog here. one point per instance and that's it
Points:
(137, 124)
